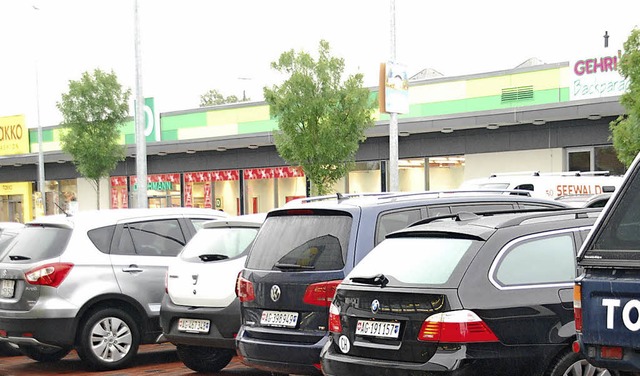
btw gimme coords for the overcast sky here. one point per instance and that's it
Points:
(191, 46)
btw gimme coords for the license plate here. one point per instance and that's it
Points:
(279, 318)
(7, 288)
(193, 325)
(378, 328)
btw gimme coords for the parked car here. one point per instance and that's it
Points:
(471, 295)
(304, 250)
(8, 231)
(200, 312)
(93, 281)
(586, 201)
(607, 293)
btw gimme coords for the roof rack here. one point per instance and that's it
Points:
(337, 196)
(395, 195)
(465, 216)
(563, 173)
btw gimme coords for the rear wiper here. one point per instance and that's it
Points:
(213, 257)
(280, 265)
(378, 279)
(19, 258)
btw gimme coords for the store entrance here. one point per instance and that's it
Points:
(11, 209)
(167, 201)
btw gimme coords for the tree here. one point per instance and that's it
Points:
(213, 97)
(625, 129)
(321, 120)
(92, 111)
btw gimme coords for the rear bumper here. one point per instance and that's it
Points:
(630, 357)
(493, 359)
(281, 357)
(47, 332)
(225, 323)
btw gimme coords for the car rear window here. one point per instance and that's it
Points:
(36, 243)
(222, 241)
(618, 236)
(416, 260)
(311, 241)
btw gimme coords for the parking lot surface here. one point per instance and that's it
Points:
(158, 359)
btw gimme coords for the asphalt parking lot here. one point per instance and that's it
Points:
(158, 359)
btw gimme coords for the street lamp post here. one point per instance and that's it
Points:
(393, 117)
(141, 142)
(40, 151)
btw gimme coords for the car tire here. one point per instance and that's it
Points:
(9, 349)
(109, 339)
(44, 354)
(204, 359)
(571, 364)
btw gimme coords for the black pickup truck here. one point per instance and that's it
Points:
(607, 293)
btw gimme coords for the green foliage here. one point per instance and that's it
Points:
(321, 120)
(625, 129)
(92, 110)
(213, 97)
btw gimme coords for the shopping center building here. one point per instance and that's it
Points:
(535, 117)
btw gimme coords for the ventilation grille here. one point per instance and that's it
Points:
(519, 93)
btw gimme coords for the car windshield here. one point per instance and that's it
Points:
(414, 260)
(302, 242)
(36, 243)
(222, 241)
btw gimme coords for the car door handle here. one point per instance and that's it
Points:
(132, 269)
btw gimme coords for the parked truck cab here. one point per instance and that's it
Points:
(607, 292)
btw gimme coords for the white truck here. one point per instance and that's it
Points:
(550, 185)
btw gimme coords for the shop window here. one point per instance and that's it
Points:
(411, 175)
(365, 177)
(445, 172)
(597, 158)
(61, 196)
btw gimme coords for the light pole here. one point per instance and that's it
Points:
(393, 116)
(141, 141)
(40, 151)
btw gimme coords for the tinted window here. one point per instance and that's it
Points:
(437, 211)
(152, 238)
(414, 260)
(619, 235)
(539, 260)
(37, 243)
(101, 237)
(198, 223)
(302, 242)
(390, 222)
(229, 242)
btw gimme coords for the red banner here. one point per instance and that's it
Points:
(125, 197)
(188, 190)
(207, 195)
(271, 173)
(114, 198)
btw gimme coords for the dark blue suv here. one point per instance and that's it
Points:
(304, 250)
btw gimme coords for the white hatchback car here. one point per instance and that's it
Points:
(200, 312)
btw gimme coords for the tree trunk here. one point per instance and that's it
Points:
(97, 183)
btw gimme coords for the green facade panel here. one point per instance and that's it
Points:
(175, 122)
(257, 126)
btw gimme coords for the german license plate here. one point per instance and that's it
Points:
(193, 325)
(279, 318)
(378, 328)
(7, 288)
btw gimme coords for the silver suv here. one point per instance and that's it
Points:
(93, 281)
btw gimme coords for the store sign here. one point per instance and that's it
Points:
(14, 135)
(151, 122)
(158, 182)
(597, 77)
(271, 173)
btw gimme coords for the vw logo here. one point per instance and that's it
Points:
(375, 306)
(275, 293)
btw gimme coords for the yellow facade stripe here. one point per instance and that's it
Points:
(237, 115)
(439, 92)
(490, 86)
(203, 132)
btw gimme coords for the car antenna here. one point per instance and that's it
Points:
(62, 210)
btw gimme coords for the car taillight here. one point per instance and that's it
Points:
(456, 327)
(244, 289)
(335, 326)
(577, 306)
(321, 293)
(49, 275)
(166, 282)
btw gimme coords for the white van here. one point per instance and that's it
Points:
(550, 185)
